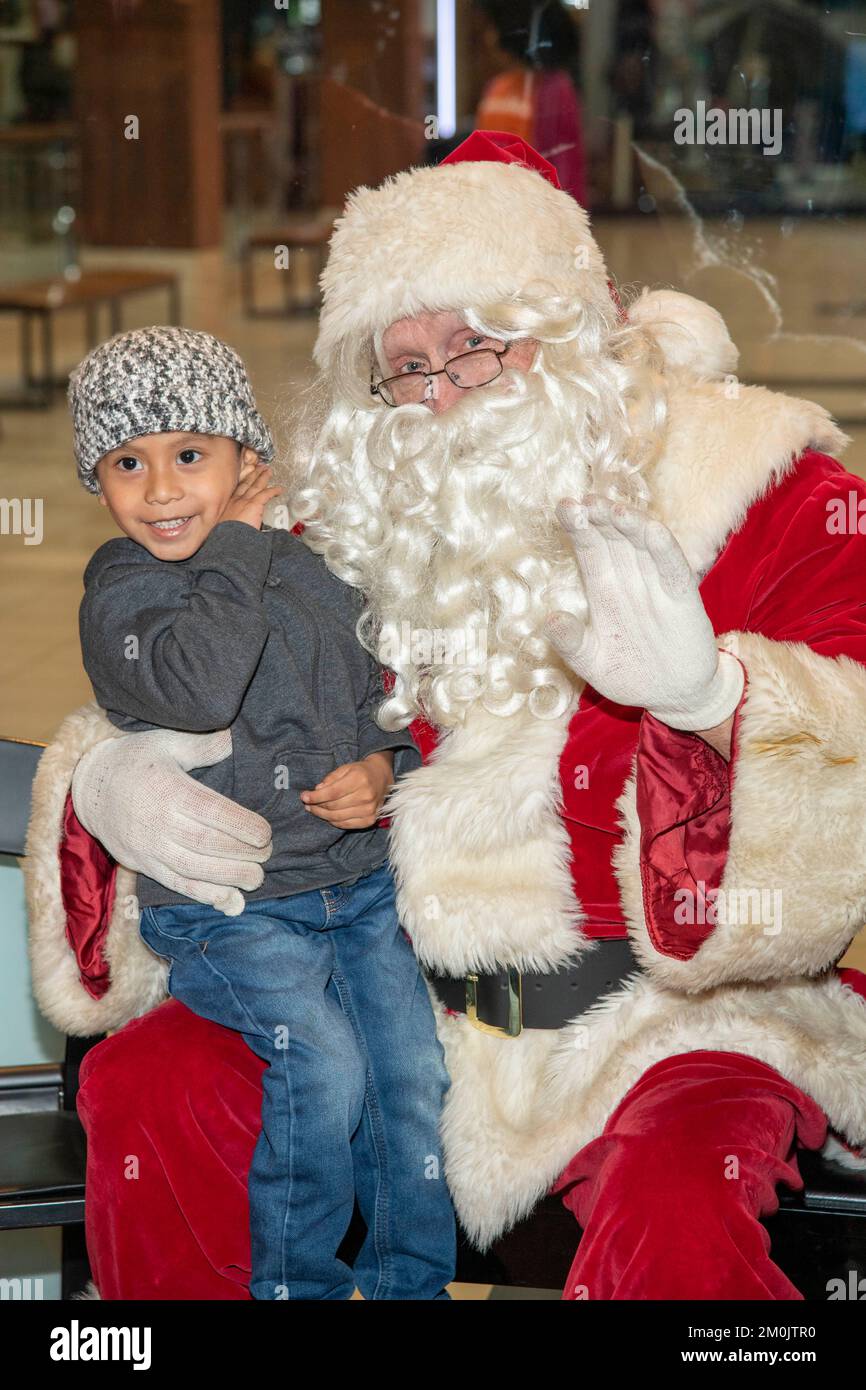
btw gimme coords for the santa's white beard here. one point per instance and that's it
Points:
(466, 557)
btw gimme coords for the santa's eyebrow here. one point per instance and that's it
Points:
(473, 332)
(405, 352)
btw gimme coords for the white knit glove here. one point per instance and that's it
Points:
(648, 641)
(133, 794)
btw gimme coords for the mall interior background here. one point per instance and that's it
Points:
(156, 151)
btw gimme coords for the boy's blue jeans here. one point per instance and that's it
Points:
(325, 987)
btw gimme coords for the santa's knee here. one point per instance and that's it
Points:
(142, 1076)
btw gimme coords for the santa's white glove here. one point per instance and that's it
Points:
(648, 641)
(133, 794)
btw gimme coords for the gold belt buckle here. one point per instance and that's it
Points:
(515, 1006)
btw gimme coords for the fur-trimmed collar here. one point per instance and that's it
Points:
(725, 445)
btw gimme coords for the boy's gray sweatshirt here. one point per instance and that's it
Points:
(252, 633)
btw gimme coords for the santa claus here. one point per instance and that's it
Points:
(629, 630)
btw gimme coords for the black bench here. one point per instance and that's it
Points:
(42, 1143)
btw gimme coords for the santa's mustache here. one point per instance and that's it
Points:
(488, 420)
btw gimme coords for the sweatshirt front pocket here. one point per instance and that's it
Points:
(296, 829)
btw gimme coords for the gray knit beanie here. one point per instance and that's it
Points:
(156, 381)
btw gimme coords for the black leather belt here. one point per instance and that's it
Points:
(510, 1000)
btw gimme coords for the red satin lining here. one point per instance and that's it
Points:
(854, 979)
(683, 789)
(87, 875)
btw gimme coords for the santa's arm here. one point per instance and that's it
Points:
(91, 971)
(754, 867)
(135, 809)
(721, 736)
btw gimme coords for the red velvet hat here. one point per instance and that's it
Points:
(500, 147)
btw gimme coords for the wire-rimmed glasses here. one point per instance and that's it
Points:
(475, 368)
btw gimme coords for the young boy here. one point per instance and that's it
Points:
(202, 618)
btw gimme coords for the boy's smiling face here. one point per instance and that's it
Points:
(182, 479)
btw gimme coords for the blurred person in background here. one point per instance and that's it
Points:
(536, 97)
(44, 76)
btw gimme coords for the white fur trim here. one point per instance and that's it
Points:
(853, 1160)
(518, 1109)
(138, 977)
(692, 335)
(726, 445)
(89, 1293)
(444, 238)
(797, 824)
(480, 853)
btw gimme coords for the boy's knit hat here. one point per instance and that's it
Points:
(156, 381)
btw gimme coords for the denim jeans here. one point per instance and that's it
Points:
(325, 987)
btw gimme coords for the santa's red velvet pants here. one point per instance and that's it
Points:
(669, 1195)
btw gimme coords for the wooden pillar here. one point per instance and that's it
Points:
(371, 116)
(376, 50)
(148, 102)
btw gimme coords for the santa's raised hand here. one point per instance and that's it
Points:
(648, 641)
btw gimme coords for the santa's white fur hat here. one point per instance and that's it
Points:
(486, 225)
(458, 234)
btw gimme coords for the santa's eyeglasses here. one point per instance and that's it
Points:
(468, 369)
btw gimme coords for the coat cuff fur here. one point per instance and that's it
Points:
(138, 977)
(792, 890)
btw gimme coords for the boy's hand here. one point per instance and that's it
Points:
(251, 496)
(351, 796)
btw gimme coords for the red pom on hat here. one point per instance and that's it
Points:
(500, 147)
